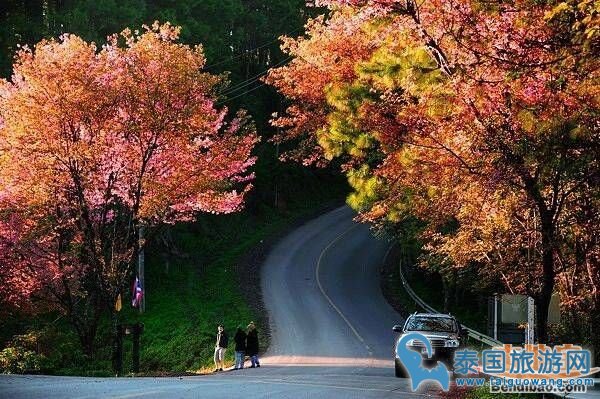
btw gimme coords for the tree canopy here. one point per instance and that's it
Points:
(480, 119)
(95, 144)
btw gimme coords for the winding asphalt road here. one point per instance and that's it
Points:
(331, 330)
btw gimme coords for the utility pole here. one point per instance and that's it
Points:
(495, 316)
(118, 349)
(276, 158)
(136, 331)
(141, 266)
(530, 337)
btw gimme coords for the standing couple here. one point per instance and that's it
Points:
(246, 343)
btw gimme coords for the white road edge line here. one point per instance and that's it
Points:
(317, 385)
(129, 396)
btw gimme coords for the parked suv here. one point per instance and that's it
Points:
(443, 331)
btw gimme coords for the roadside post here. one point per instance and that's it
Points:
(137, 330)
(529, 332)
(118, 350)
(495, 316)
(141, 267)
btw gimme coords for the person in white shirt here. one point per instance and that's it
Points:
(220, 347)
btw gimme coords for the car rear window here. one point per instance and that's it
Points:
(435, 324)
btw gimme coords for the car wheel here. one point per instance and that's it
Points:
(400, 373)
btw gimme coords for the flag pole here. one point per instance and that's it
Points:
(142, 305)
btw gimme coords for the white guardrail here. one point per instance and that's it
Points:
(472, 333)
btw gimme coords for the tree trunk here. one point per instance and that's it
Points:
(545, 295)
(87, 338)
(447, 294)
(84, 318)
(594, 329)
(455, 289)
(117, 344)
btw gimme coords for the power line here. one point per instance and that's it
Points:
(240, 95)
(251, 50)
(253, 79)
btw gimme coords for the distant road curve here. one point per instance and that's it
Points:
(321, 286)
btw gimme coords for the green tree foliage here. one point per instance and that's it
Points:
(20, 22)
(95, 19)
(239, 36)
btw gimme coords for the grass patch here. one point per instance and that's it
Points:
(470, 310)
(483, 392)
(188, 296)
(393, 290)
(429, 287)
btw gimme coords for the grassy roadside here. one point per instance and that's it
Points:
(187, 296)
(189, 290)
(392, 288)
(428, 286)
(484, 393)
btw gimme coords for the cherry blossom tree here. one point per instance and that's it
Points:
(95, 143)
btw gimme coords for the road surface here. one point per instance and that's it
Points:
(331, 330)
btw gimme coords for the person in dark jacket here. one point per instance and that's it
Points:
(252, 345)
(240, 348)
(220, 347)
